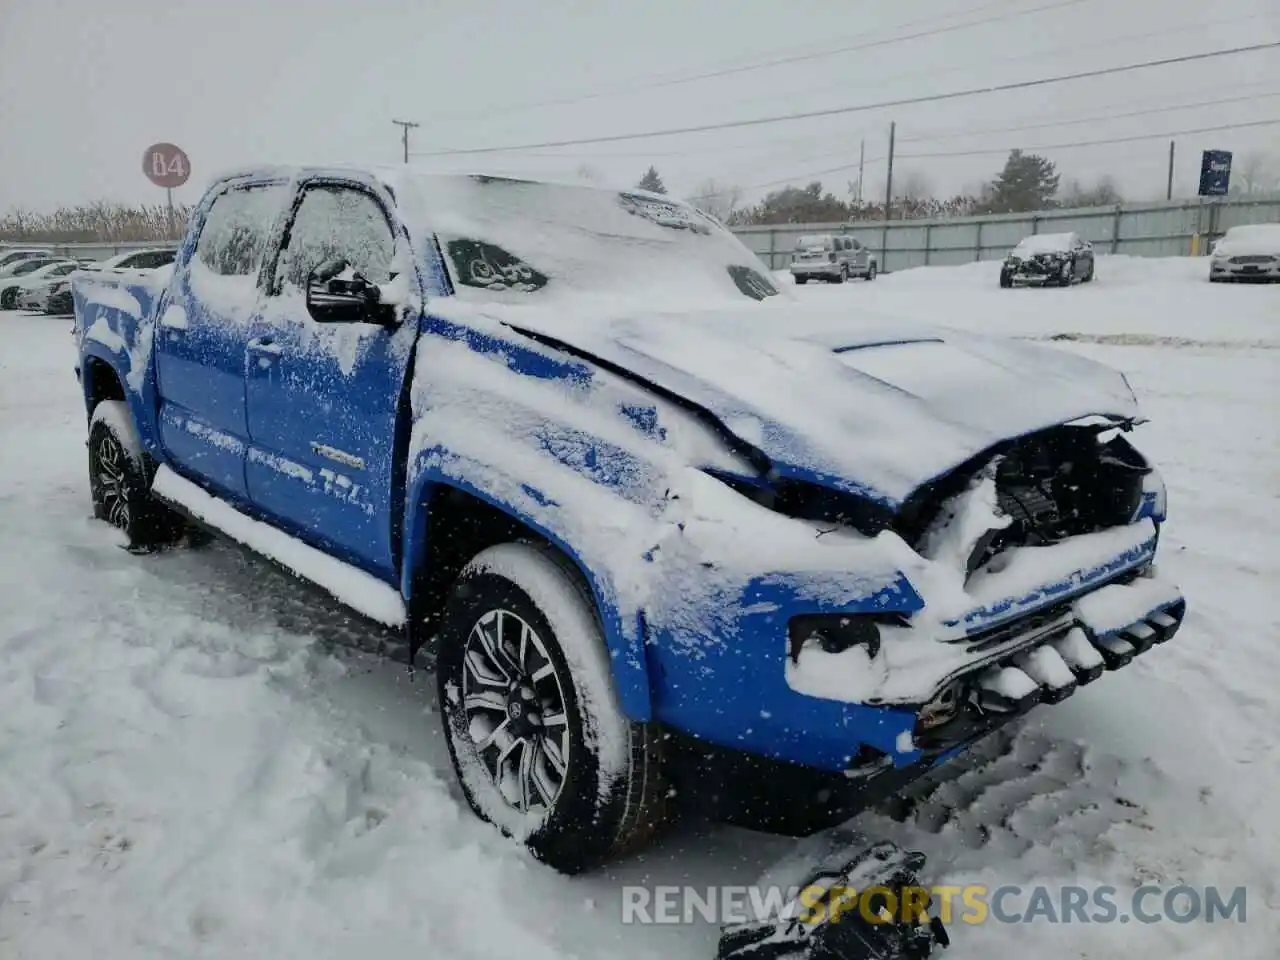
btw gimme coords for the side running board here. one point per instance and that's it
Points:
(350, 585)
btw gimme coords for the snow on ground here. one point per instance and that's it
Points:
(200, 758)
(1133, 300)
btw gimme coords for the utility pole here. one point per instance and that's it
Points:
(1168, 192)
(862, 157)
(888, 183)
(405, 126)
(888, 201)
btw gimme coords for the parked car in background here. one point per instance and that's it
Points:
(14, 287)
(12, 256)
(831, 258)
(1048, 259)
(34, 291)
(136, 260)
(1247, 253)
(20, 268)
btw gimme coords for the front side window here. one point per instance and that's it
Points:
(63, 270)
(236, 230)
(336, 223)
(30, 266)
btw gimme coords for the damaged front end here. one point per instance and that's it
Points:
(1048, 543)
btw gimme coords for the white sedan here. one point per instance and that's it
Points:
(14, 291)
(1247, 253)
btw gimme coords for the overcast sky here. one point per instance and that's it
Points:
(86, 85)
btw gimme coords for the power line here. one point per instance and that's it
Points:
(867, 44)
(1094, 118)
(859, 108)
(772, 146)
(812, 174)
(1041, 54)
(1093, 143)
(959, 134)
(666, 80)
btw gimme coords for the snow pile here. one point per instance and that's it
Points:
(1132, 301)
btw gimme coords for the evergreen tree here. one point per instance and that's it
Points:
(1027, 182)
(652, 182)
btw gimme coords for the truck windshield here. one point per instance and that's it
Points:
(517, 241)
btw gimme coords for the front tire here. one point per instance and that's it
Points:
(8, 299)
(1068, 271)
(539, 743)
(1088, 277)
(1006, 280)
(871, 272)
(802, 280)
(120, 480)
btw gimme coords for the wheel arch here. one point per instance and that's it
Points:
(100, 381)
(448, 522)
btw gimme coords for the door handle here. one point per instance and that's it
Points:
(265, 345)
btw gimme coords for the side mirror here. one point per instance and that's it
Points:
(337, 293)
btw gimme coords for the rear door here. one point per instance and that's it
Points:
(201, 334)
(323, 398)
(859, 264)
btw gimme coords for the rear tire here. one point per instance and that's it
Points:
(8, 299)
(871, 272)
(1006, 279)
(844, 274)
(120, 480)
(539, 743)
(802, 280)
(1088, 277)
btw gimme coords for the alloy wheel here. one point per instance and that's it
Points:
(113, 481)
(514, 705)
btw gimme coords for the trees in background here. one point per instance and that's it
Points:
(102, 222)
(1255, 174)
(720, 200)
(1104, 193)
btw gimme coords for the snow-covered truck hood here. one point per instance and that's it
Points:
(874, 408)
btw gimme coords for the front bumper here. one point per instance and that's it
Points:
(32, 300)
(1034, 272)
(1228, 269)
(733, 677)
(1055, 652)
(60, 304)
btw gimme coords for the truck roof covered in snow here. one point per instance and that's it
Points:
(522, 241)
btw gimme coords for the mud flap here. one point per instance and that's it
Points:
(848, 900)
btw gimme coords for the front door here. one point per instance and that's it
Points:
(201, 334)
(323, 397)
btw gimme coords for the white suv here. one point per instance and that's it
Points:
(834, 259)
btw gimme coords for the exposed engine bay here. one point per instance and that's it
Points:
(1062, 483)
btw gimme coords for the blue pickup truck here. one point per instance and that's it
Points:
(669, 535)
